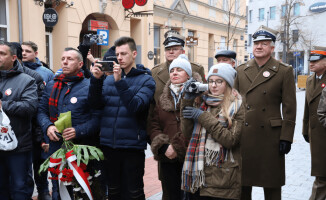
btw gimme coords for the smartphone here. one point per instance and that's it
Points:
(107, 66)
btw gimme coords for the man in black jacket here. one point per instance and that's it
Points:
(20, 104)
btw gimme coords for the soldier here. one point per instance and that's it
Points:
(265, 85)
(313, 130)
(226, 56)
(174, 46)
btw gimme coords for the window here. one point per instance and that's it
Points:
(250, 16)
(212, 13)
(223, 42)
(282, 37)
(295, 35)
(261, 14)
(272, 11)
(212, 3)
(296, 9)
(193, 6)
(236, 6)
(235, 45)
(284, 10)
(249, 40)
(157, 42)
(191, 49)
(225, 5)
(3, 21)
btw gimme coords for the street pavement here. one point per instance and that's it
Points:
(298, 180)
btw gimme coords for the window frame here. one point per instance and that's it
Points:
(7, 25)
(263, 14)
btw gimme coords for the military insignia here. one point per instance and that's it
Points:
(266, 74)
(274, 67)
(215, 71)
(323, 85)
(8, 92)
(73, 100)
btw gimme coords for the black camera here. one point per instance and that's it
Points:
(107, 66)
(196, 87)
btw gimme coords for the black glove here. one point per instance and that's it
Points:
(306, 137)
(285, 147)
(88, 40)
(191, 112)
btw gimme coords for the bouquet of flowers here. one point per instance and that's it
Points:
(68, 164)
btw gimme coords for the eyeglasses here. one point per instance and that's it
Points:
(174, 49)
(217, 82)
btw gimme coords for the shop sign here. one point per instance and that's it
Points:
(318, 7)
(150, 55)
(191, 41)
(93, 25)
(50, 17)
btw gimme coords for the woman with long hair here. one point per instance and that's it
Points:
(167, 142)
(212, 166)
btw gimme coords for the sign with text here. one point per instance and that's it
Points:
(105, 37)
(50, 17)
(318, 7)
(93, 25)
(191, 41)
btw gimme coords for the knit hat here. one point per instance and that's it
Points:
(182, 62)
(19, 50)
(110, 55)
(223, 70)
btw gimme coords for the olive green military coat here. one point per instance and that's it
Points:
(263, 92)
(313, 127)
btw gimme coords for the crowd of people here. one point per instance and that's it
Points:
(214, 138)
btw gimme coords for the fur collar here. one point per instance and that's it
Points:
(166, 99)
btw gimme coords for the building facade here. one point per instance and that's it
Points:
(214, 24)
(299, 23)
(206, 21)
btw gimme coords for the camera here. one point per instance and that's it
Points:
(93, 38)
(107, 66)
(196, 87)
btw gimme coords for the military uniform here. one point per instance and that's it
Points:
(264, 91)
(314, 131)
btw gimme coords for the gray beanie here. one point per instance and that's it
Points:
(225, 71)
(182, 62)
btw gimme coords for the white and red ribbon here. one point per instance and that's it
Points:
(78, 174)
(64, 194)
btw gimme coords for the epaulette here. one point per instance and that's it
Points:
(285, 64)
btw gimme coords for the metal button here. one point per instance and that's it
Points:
(246, 124)
(248, 107)
(264, 91)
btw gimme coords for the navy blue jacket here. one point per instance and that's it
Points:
(124, 107)
(83, 119)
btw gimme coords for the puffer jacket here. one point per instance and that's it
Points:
(224, 181)
(84, 120)
(165, 126)
(125, 106)
(46, 74)
(19, 102)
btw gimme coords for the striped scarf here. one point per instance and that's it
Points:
(202, 150)
(56, 89)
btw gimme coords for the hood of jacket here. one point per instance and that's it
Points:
(166, 99)
(140, 69)
(17, 69)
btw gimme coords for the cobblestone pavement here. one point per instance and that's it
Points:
(298, 180)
